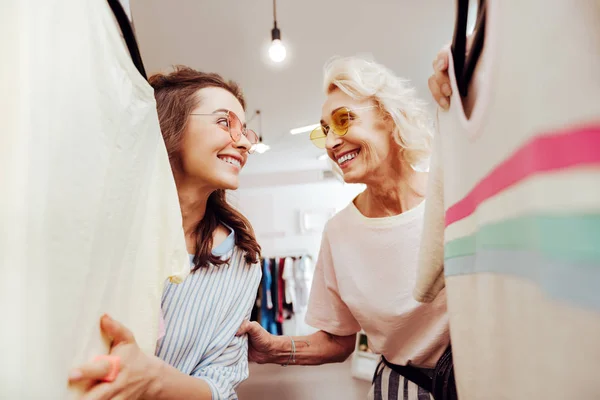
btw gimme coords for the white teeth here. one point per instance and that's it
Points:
(347, 157)
(232, 161)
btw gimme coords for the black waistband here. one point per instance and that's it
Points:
(413, 374)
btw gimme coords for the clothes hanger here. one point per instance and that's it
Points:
(464, 64)
(128, 35)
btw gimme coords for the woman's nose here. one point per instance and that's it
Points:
(243, 143)
(332, 141)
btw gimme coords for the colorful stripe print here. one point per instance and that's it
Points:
(546, 153)
(537, 216)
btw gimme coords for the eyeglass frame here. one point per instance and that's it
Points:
(333, 130)
(242, 132)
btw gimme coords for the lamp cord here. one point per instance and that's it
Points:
(260, 123)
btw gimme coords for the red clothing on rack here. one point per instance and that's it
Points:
(281, 291)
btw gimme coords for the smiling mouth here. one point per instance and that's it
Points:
(346, 158)
(232, 161)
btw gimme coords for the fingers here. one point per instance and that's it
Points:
(440, 63)
(247, 327)
(439, 82)
(243, 328)
(92, 371)
(115, 366)
(255, 328)
(102, 391)
(116, 331)
(437, 93)
(443, 82)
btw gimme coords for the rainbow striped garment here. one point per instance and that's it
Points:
(513, 208)
(535, 216)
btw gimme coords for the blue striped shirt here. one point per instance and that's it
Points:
(202, 315)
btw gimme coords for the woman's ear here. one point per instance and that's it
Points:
(385, 123)
(388, 121)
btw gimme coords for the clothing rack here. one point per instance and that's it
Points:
(287, 253)
(284, 289)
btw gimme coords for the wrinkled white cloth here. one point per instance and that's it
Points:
(89, 212)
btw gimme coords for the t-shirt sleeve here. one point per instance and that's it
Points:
(326, 309)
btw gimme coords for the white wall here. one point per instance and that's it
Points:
(275, 213)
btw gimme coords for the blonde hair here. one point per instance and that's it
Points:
(363, 79)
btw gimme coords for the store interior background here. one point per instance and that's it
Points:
(286, 191)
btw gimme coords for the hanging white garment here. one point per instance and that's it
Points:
(290, 283)
(303, 275)
(289, 319)
(90, 216)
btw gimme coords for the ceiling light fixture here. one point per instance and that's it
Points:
(260, 147)
(303, 129)
(277, 50)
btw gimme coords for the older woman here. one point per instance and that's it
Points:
(378, 133)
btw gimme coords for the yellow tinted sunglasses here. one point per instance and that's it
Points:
(340, 122)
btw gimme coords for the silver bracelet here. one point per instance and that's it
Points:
(292, 358)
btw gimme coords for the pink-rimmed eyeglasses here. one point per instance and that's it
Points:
(229, 120)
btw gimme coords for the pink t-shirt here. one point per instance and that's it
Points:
(364, 278)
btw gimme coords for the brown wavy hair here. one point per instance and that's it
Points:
(176, 97)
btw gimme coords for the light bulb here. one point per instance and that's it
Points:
(260, 147)
(277, 51)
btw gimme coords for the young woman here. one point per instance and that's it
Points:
(202, 118)
(378, 133)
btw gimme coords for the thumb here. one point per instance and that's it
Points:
(116, 331)
(244, 328)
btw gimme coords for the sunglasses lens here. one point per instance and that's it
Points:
(235, 126)
(340, 121)
(318, 137)
(251, 136)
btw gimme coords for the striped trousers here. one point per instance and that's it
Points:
(389, 385)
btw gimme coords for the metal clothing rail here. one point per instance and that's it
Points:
(287, 253)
